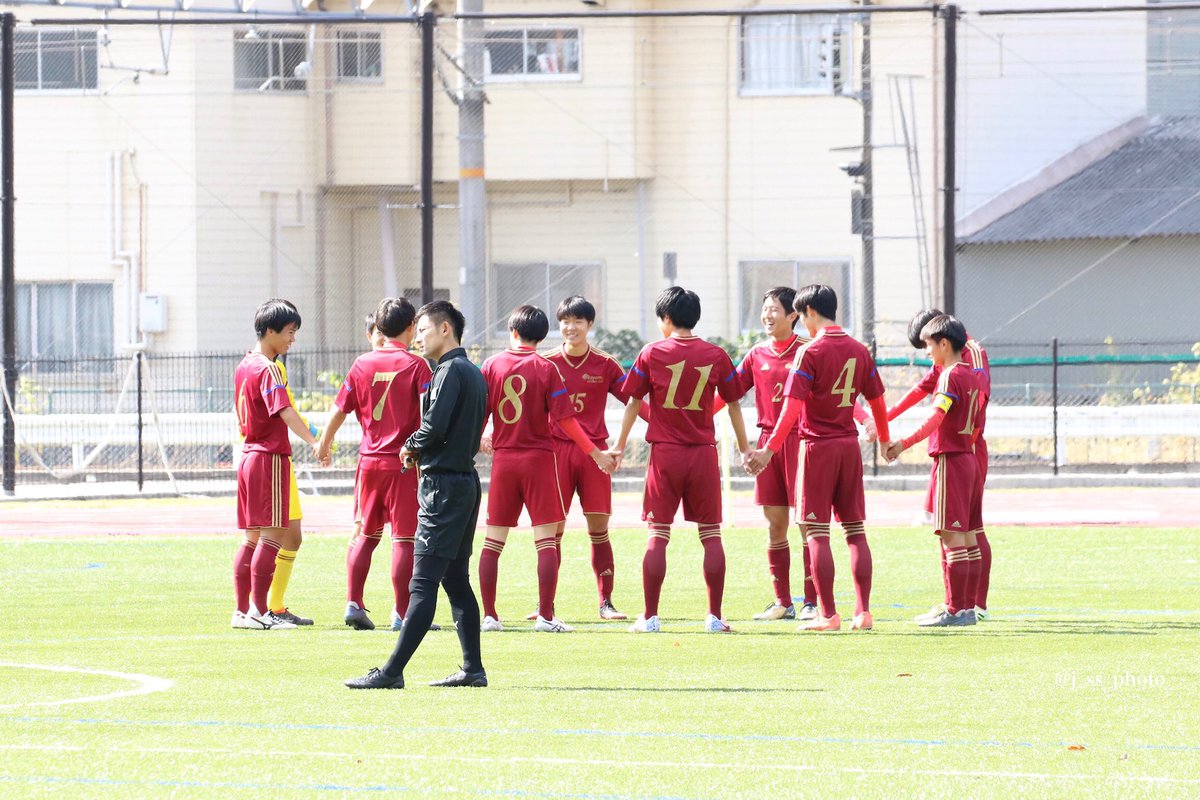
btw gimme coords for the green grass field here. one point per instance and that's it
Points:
(1086, 682)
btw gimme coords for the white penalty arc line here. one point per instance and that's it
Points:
(570, 762)
(147, 684)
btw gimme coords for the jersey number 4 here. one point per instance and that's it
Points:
(844, 385)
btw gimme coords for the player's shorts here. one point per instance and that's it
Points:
(682, 473)
(524, 479)
(294, 512)
(263, 490)
(829, 479)
(954, 481)
(776, 485)
(386, 495)
(357, 478)
(448, 511)
(981, 468)
(578, 474)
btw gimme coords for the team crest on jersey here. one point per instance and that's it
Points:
(588, 378)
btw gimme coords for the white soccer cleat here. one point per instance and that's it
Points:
(776, 611)
(808, 612)
(238, 621)
(714, 624)
(491, 625)
(555, 625)
(268, 621)
(932, 613)
(981, 614)
(643, 625)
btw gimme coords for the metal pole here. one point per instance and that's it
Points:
(141, 474)
(8, 283)
(874, 445)
(1054, 396)
(472, 183)
(428, 23)
(950, 29)
(868, 187)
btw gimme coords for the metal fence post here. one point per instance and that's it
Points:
(140, 462)
(1054, 395)
(875, 444)
(8, 284)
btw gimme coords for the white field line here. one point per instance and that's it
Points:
(622, 763)
(147, 684)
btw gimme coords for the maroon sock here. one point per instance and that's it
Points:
(779, 563)
(972, 589)
(810, 588)
(985, 568)
(654, 567)
(241, 575)
(822, 568)
(547, 573)
(714, 567)
(945, 577)
(602, 563)
(402, 569)
(359, 565)
(489, 571)
(860, 567)
(262, 570)
(957, 566)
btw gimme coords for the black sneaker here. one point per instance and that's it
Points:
(293, 618)
(357, 618)
(461, 678)
(376, 679)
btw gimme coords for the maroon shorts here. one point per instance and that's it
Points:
(524, 479)
(829, 478)
(981, 465)
(776, 485)
(387, 495)
(578, 474)
(687, 473)
(264, 485)
(357, 489)
(954, 483)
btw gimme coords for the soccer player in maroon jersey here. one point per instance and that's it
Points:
(960, 400)
(376, 340)
(681, 373)
(591, 375)
(264, 414)
(383, 389)
(827, 376)
(976, 357)
(526, 391)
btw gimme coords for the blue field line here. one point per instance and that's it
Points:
(583, 732)
(320, 787)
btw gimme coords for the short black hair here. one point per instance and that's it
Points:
(440, 311)
(680, 305)
(369, 321)
(919, 321)
(786, 296)
(529, 323)
(275, 315)
(576, 306)
(945, 326)
(819, 297)
(394, 315)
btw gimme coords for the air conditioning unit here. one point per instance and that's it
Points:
(152, 313)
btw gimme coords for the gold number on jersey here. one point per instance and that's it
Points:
(577, 401)
(514, 387)
(384, 377)
(777, 395)
(845, 384)
(969, 428)
(676, 375)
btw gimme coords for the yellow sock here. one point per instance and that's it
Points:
(283, 573)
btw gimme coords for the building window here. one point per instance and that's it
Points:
(360, 56)
(759, 276)
(266, 61)
(545, 285)
(532, 54)
(796, 54)
(49, 60)
(60, 323)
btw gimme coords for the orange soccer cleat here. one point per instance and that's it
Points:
(823, 624)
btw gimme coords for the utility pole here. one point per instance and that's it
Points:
(428, 23)
(472, 187)
(868, 184)
(8, 284)
(950, 113)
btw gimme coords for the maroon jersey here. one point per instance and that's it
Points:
(589, 379)
(383, 389)
(261, 393)
(976, 356)
(765, 369)
(961, 394)
(828, 374)
(524, 392)
(681, 374)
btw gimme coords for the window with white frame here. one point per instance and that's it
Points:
(796, 54)
(759, 276)
(544, 284)
(63, 322)
(48, 60)
(360, 55)
(531, 54)
(266, 61)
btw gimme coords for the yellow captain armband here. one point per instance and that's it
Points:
(943, 401)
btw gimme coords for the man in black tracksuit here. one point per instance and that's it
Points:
(452, 417)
